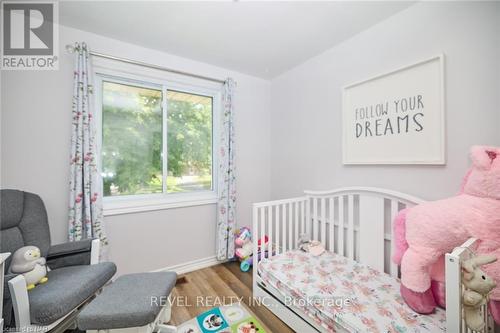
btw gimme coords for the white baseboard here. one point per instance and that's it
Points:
(192, 265)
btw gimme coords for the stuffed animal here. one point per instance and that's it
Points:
(28, 262)
(424, 233)
(477, 287)
(316, 248)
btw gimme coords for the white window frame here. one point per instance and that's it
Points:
(111, 71)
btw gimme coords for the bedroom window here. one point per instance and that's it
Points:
(157, 144)
(131, 139)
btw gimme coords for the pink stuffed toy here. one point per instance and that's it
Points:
(424, 233)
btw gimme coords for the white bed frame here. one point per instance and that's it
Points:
(355, 222)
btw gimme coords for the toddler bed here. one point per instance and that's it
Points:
(353, 287)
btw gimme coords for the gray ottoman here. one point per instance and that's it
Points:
(133, 303)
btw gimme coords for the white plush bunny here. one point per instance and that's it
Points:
(477, 287)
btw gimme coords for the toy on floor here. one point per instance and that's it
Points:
(244, 250)
(243, 243)
(424, 233)
(477, 287)
(243, 235)
(263, 247)
(233, 318)
(28, 261)
(247, 263)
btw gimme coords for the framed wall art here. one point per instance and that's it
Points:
(397, 117)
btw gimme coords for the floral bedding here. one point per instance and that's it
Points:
(338, 292)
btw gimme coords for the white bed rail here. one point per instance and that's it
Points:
(282, 221)
(336, 218)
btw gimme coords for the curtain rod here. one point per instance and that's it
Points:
(71, 49)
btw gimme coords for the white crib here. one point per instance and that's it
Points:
(354, 222)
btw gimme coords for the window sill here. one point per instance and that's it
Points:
(138, 204)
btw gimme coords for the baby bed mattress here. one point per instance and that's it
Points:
(336, 291)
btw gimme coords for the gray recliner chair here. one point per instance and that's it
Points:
(74, 277)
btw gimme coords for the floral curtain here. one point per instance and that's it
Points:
(226, 208)
(85, 201)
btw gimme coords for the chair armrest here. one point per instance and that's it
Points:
(20, 300)
(70, 248)
(3, 257)
(73, 253)
(3, 292)
(6, 291)
(95, 253)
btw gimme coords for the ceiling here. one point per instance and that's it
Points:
(263, 39)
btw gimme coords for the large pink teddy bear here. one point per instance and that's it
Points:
(424, 233)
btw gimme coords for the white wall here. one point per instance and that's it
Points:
(306, 101)
(35, 138)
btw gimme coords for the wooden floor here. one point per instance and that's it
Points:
(201, 290)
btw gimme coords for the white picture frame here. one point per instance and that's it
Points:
(396, 117)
